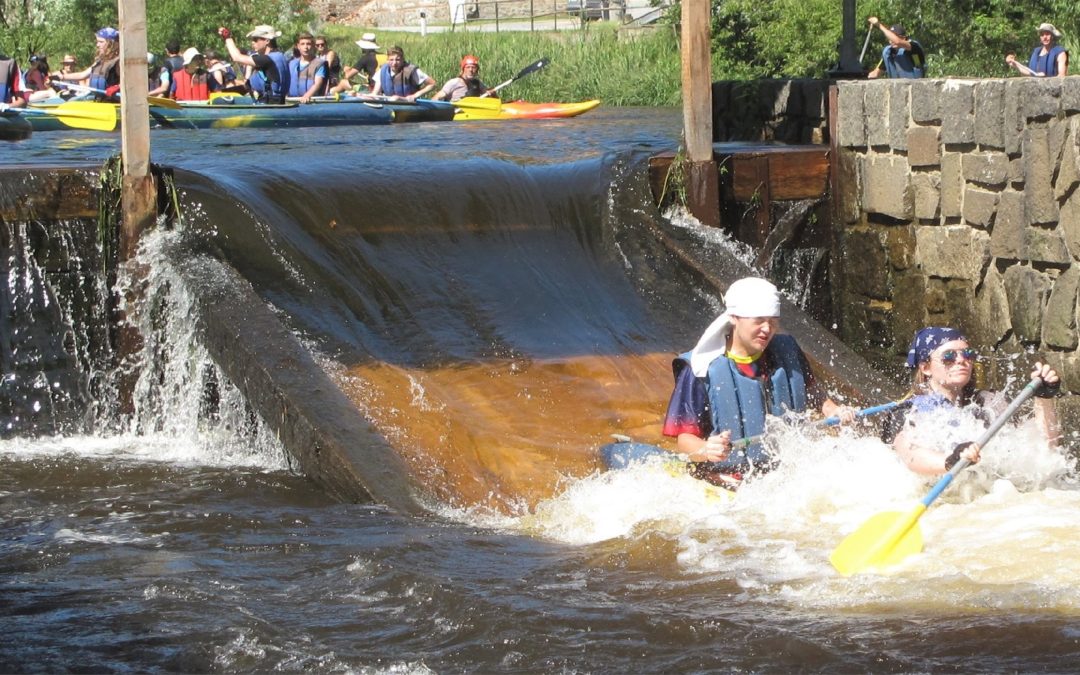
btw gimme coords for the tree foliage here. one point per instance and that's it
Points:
(55, 27)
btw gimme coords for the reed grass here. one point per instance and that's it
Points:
(600, 62)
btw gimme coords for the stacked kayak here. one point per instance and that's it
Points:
(13, 126)
(478, 108)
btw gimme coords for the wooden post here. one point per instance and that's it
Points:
(702, 189)
(139, 195)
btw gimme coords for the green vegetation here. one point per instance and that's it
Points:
(751, 39)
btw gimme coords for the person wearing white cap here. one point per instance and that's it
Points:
(191, 82)
(367, 65)
(740, 371)
(269, 81)
(1049, 59)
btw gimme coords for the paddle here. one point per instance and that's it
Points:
(866, 43)
(152, 100)
(531, 68)
(78, 115)
(888, 538)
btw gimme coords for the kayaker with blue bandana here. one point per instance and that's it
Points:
(945, 404)
(104, 73)
(740, 372)
(269, 81)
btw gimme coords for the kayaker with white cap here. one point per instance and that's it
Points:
(741, 371)
(270, 80)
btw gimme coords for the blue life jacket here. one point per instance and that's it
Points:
(270, 91)
(904, 63)
(9, 73)
(738, 402)
(1047, 65)
(401, 84)
(301, 79)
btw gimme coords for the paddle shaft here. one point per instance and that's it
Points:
(827, 422)
(1028, 391)
(153, 100)
(865, 44)
(531, 68)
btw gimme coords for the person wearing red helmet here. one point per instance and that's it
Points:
(466, 84)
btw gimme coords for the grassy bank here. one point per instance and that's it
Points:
(597, 63)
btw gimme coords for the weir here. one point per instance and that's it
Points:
(473, 349)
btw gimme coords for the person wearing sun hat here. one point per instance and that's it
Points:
(192, 81)
(903, 57)
(1049, 59)
(740, 372)
(104, 73)
(367, 65)
(945, 404)
(269, 80)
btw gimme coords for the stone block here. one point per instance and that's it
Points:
(952, 251)
(959, 303)
(1041, 207)
(1014, 123)
(899, 113)
(1059, 322)
(926, 101)
(866, 263)
(909, 304)
(1068, 176)
(990, 169)
(887, 188)
(957, 112)
(927, 187)
(851, 115)
(935, 298)
(1040, 98)
(899, 245)
(990, 114)
(922, 146)
(1070, 95)
(1027, 290)
(1070, 224)
(979, 207)
(877, 114)
(952, 185)
(1007, 240)
(991, 316)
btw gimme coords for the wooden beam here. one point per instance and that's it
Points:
(139, 196)
(703, 191)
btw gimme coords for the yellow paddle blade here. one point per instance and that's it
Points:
(883, 541)
(164, 103)
(479, 102)
(85, 115)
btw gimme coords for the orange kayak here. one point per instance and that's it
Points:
(475, 108)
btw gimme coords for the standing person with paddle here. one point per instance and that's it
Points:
(930, 441)
(467, 83)
(903, 57)
(1049, 59)
(269, 82)
(740, 372)
(104, 73)
(400, 80)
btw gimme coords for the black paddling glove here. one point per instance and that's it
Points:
(952, 459)
(1048, 390)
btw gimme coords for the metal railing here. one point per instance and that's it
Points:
(538, 14)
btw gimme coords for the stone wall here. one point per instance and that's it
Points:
(958, 204)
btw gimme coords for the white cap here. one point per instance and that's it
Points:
(1048, 28)
(190, 54)
(748, 297)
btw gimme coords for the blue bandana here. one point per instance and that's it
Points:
(927, 340)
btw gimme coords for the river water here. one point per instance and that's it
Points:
(473, 289)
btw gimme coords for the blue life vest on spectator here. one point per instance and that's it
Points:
(904, 63)
(1047, 65)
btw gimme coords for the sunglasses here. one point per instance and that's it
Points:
(950, 355)
(320, 44)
